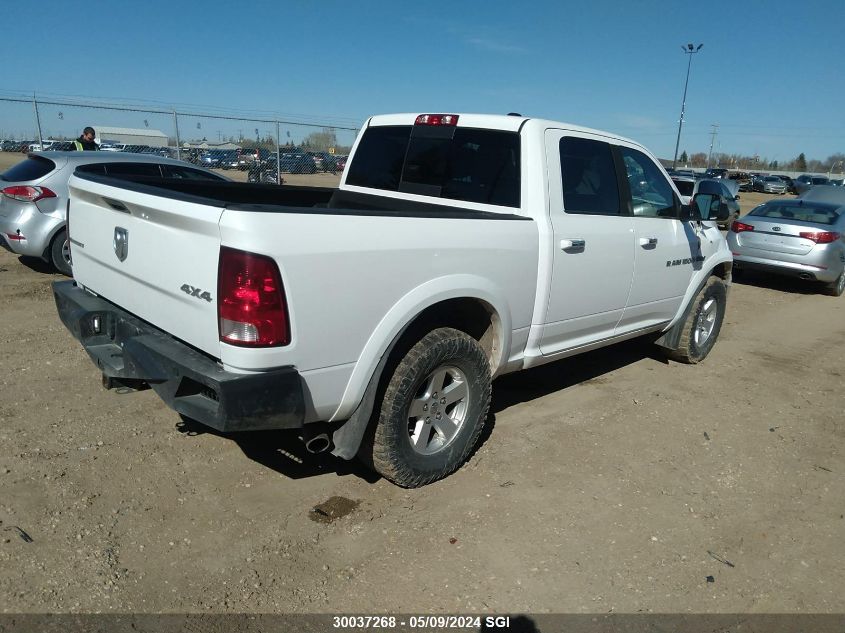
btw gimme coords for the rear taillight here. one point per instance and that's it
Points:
(24, 193)
(251, 303)
(739, 227)
(822, 237)
(437, 119)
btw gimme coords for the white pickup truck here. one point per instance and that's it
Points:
(373, 317)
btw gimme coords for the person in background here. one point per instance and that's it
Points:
(86, 141)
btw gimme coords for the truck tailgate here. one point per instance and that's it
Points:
(154, 257)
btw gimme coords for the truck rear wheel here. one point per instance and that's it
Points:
(433, 410)
(703, 323)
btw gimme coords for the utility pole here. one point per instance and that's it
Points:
(715, 131)
(690, 50)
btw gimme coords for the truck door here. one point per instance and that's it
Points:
(592, 235)
(668, 249)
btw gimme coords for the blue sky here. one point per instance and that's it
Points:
(770, 73)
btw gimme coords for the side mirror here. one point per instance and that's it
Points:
(709, 206)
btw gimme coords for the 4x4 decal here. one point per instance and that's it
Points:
(196, 292)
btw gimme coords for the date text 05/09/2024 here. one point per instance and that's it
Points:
(419, 622)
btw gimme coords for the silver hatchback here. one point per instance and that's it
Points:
(793, 237)
(34, 196)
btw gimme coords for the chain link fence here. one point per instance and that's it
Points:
(258, 149)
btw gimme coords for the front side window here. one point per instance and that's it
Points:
(588, 177)
(685, 187)
(651, 194)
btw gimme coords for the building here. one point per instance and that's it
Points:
(131, 136)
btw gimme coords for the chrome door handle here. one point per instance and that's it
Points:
(573, 245)
(648, 241)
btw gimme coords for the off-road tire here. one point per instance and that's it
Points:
(57, 253)
(706, 317)
(390, 451)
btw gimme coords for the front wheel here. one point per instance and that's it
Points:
(60, 253)
(703, 323)
(433, 410)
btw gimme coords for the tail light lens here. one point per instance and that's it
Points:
(437, 119)
(822, 237)
(251, 303)
(739, 227)
(27, 193)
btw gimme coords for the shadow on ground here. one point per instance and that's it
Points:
(787, 285)
(285, 453)
(525, 386)
(39, 265)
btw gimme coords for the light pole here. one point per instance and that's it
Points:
(690, 50)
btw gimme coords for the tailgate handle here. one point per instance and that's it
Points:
(116, 205)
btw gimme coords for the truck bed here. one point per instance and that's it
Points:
(271, 198)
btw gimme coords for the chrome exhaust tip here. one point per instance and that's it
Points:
(317, 443)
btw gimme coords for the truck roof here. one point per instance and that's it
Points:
(509, 122)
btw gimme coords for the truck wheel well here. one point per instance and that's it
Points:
(476, 318)
(473, 316)
(723, 271)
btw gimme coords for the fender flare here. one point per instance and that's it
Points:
(672, 335)
(358, 400)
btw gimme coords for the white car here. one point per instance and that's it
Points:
(34, 196)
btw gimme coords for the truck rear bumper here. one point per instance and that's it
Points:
(126, 348)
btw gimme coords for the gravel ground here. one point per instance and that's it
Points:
(610, 482)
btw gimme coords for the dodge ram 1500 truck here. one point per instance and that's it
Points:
(374, 317)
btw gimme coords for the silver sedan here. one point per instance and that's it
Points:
(34, 196)
(793, 237)
(769, 184)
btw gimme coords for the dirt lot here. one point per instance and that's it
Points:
(613, 481)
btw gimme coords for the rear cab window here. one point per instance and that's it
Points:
(467, 164)
(33, 168)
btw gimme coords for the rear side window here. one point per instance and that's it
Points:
(186, 173)
(457, 163)
(588, 177)
(133, 169)
(94, 168)
(32, 168)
